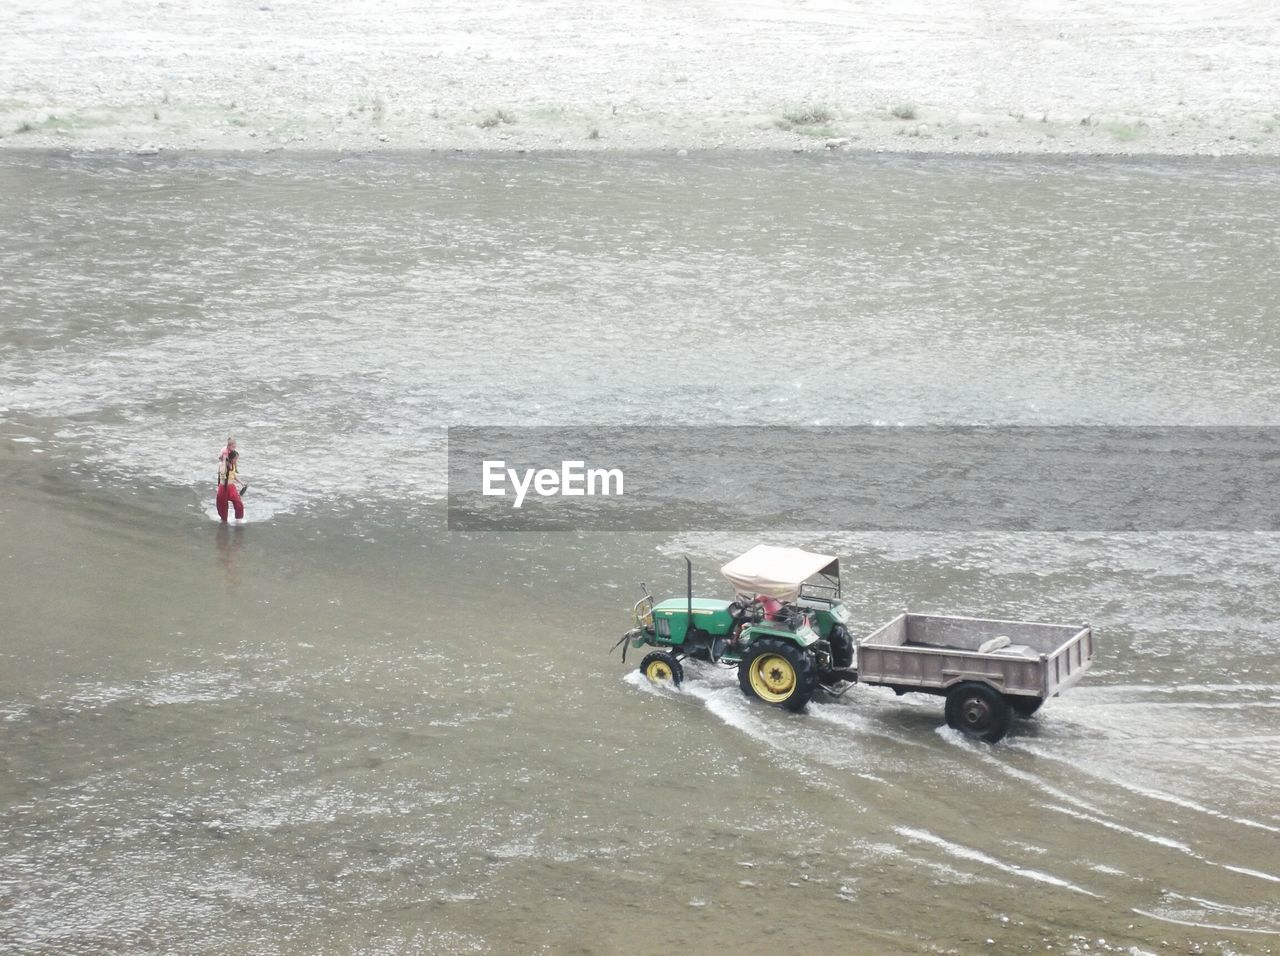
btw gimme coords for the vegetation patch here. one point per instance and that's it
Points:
(497, 117)
(808, 121)
(88, 119)
(1125, 132)
(376, 108)
(810, 116)
(818, 132)
(50, 122)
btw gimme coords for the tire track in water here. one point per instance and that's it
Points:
(723, 700)
(977, 856)
(1148, 793)
(1080, 810)
(791, 739)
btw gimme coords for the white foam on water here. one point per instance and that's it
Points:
(785, 734)
(1248, 705)
(1134, 788)
(977, 856)
(235, 522)
(1109, 870)
(1192, 805)
(92, 696)
(474, 717)
(637, 680)
(169, 689)
(300, 806)
(517, 850)
(736, 711)
(1199, 924)
(11, 711)
(1218, 927)
(1082, 810)
(1128, 693)
(1077, 814)
(948, 872)
(848, 718)
(1245, 871)
(1212, 905)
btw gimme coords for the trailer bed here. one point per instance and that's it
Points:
(933, 653)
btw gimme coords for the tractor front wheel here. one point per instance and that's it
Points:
(978, 710)
(662, 668)
(778, 672)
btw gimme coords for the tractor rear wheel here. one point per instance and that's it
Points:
(662, 668)
(978, 710)
(841, 648)
(778, 672)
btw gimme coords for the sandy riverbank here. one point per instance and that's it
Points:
(1057, 76)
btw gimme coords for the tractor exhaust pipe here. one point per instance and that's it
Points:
(689, 572)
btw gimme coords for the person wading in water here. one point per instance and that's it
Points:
(230, 486)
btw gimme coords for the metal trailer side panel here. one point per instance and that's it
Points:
(895, 632)
(1069, 662)
(937, 669)
(968, 633)
(935, 652)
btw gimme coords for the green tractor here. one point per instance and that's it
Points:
(785, 630)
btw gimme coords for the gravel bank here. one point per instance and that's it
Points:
(1002, 76)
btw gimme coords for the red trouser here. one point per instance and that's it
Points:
(229, 492)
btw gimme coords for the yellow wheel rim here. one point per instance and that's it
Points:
(658, 671)
(773, 678)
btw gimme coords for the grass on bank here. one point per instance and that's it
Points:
(497, 117)
(808, 121)
(1126, 132)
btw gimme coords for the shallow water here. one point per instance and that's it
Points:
(342, 728)
(358, 305)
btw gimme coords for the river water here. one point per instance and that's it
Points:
(341, 727)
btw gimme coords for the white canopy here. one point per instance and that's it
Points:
(777, 572)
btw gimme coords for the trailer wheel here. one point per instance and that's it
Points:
(1025, 706)
(978, 710)
(661, 668)
(778, 672)
(841, 648)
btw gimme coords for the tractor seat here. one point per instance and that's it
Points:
(771, 606)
